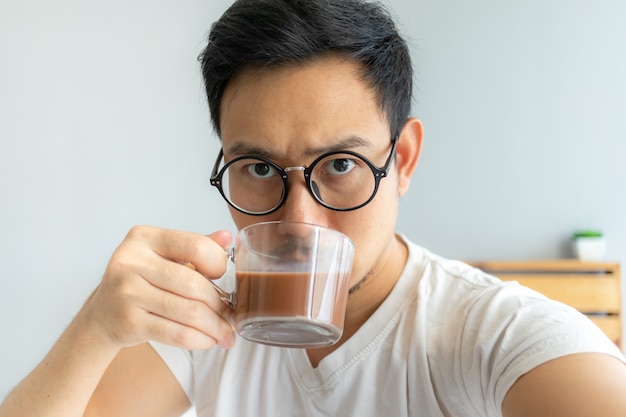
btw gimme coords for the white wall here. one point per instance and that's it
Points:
(524, 107)
(103, 125)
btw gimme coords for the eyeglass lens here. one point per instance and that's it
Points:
(340, 180)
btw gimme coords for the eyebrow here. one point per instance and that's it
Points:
(350, 142)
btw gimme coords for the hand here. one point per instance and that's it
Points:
(147, 292)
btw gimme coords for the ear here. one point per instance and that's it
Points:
(408, 152)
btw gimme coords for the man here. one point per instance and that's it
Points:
(289, 81)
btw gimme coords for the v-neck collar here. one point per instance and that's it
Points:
(366, 339)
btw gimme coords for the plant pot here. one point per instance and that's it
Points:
(590, 248)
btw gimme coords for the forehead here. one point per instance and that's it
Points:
(302, 107)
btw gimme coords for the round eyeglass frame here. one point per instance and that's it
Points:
(379, 173)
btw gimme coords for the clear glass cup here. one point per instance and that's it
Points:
(291, 284)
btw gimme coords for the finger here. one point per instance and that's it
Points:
(215, 295)
(190, 314)
(222, 238)
(172, 333)
(181, 279)
(125, 307)
(187, 297)
(136, 254)
(206, 254)
(126, 304)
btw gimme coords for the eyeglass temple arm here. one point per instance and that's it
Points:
(394, 142)
(217, 164)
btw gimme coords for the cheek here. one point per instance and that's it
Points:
(372, 228)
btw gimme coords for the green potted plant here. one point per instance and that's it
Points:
(589, 244)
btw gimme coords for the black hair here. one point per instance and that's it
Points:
(262, 34)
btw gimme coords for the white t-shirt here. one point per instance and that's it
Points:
(449, 340)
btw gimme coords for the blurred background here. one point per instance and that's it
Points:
(104, 125)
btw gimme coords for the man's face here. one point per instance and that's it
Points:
(293, 115)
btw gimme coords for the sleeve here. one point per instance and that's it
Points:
(180, 363)
(512, 330)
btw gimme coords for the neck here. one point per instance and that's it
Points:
(368, 294)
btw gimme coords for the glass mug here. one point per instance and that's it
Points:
(291, 284)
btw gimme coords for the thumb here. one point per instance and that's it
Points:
(222, 238)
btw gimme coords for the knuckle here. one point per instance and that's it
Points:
(117, 270)
(185, 337)
(138, 232)
(196, 248)
(181, 337)
(123, 260)
(186, 310)
(193, 283)
(195, 310)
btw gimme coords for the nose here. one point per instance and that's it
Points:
(300, 206)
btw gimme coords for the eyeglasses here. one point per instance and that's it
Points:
(341, 181)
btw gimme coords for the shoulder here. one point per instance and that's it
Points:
(488, 313)
(452, 288)
(452, 284)
(484, 334)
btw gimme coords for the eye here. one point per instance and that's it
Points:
(339, 166)
(261, 170)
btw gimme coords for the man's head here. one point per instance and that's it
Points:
(321, 84)
(268, 34)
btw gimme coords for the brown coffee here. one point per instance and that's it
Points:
(293, 308)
